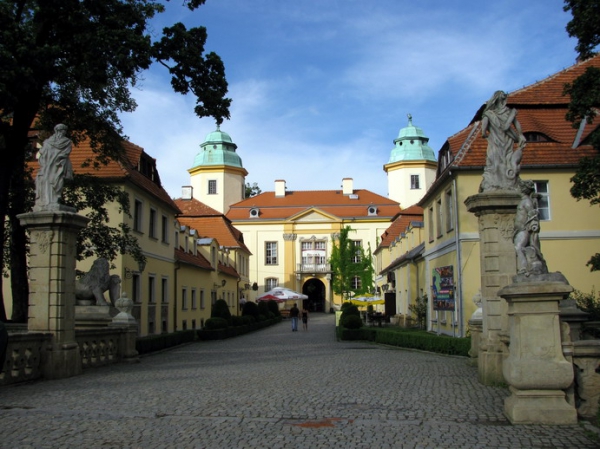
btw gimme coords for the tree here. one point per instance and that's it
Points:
(252, 190)
(585, 99)
(74, 62)
(419, 310)
(351, 266)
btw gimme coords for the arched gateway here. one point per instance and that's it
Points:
(315, 290)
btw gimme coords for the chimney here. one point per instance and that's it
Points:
(279, 188)
(347, 186)
(187, 193)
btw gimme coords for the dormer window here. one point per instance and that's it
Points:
(254, 212)
(536, 137)
(372, 210)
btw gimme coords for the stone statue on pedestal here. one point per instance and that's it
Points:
(55, 167)
(502, 130)
(526, 237)
(94, 283)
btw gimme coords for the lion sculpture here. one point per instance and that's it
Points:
(93, 284)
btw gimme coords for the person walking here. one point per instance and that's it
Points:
(294, 312)
(304, 318)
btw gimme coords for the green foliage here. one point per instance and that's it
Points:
(419, 310)
(584, 26)
(221, 310)
(348, 262)
(75, 62)
(263, 308)
(252, 190)
(585, 98)
(352, 322)
(345, 305)
(273, 307)
(250, 309)
(420, 340)
(153, 343)
(588, 302)
(215, 323)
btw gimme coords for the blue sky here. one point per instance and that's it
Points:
(321, 88)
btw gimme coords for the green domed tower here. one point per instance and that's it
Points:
(412, 166)
(217, 175)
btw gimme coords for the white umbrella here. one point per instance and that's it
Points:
(285, 294)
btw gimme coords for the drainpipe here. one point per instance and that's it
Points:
(175, 288)
(458, 261)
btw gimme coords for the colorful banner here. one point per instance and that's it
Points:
(442, 288)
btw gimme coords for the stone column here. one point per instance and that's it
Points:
(495, 212)
(53, 246)
(536, 368)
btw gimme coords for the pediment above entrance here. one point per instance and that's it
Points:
(313, 215)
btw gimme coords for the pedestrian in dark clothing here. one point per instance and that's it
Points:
(294, 313)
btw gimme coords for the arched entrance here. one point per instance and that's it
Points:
(315, 290)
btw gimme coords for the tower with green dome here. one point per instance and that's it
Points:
(412, 166)
(217, 176)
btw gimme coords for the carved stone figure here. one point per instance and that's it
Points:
(93, 284)
(526, 237)
(502, 130)
(55, 167)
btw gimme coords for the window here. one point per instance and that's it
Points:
(430, 223)
(152, 224)
(270, 253)
(356, 283)
(213, 297)
(357, 244)
(137, 216)
(151, 289)
(271, 283)
(449, 211)
(177, 239)
(213, 256)
(136, 296)
(184, 304)
(184, 325)
(164, 236)
(164, 287)
(193, 324)
(212, 187)
(194, 299)
(202, 303)
(415, 182)
(439, 217)
(541, 188)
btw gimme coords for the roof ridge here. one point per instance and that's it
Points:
(464, 148)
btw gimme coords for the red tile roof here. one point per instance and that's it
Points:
(228, 270)
(198, 260)
(210, 223)
(332, 202)
(399, 225)
(125, 169)
(541, 109)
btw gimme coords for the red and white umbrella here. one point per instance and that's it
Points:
(283, 294)
(269, 298)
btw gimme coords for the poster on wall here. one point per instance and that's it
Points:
(442, 288)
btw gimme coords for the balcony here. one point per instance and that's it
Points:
(313, 268)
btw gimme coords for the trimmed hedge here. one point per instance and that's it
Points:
(152, 343)
(229, 332)
(422, 340)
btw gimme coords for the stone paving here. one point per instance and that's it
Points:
(274, 389)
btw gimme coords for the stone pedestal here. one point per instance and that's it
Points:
(92, 316)
(53, 246)
(495, 212)
(536, 368)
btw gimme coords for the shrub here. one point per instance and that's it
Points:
(352, 322)
(419, 310)
(588, 302)
(221, 310)
(273, 307)
(248, 319)
(251, 309)
(345, 305)
(215, 323)
(263, 308)
(237, 320)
